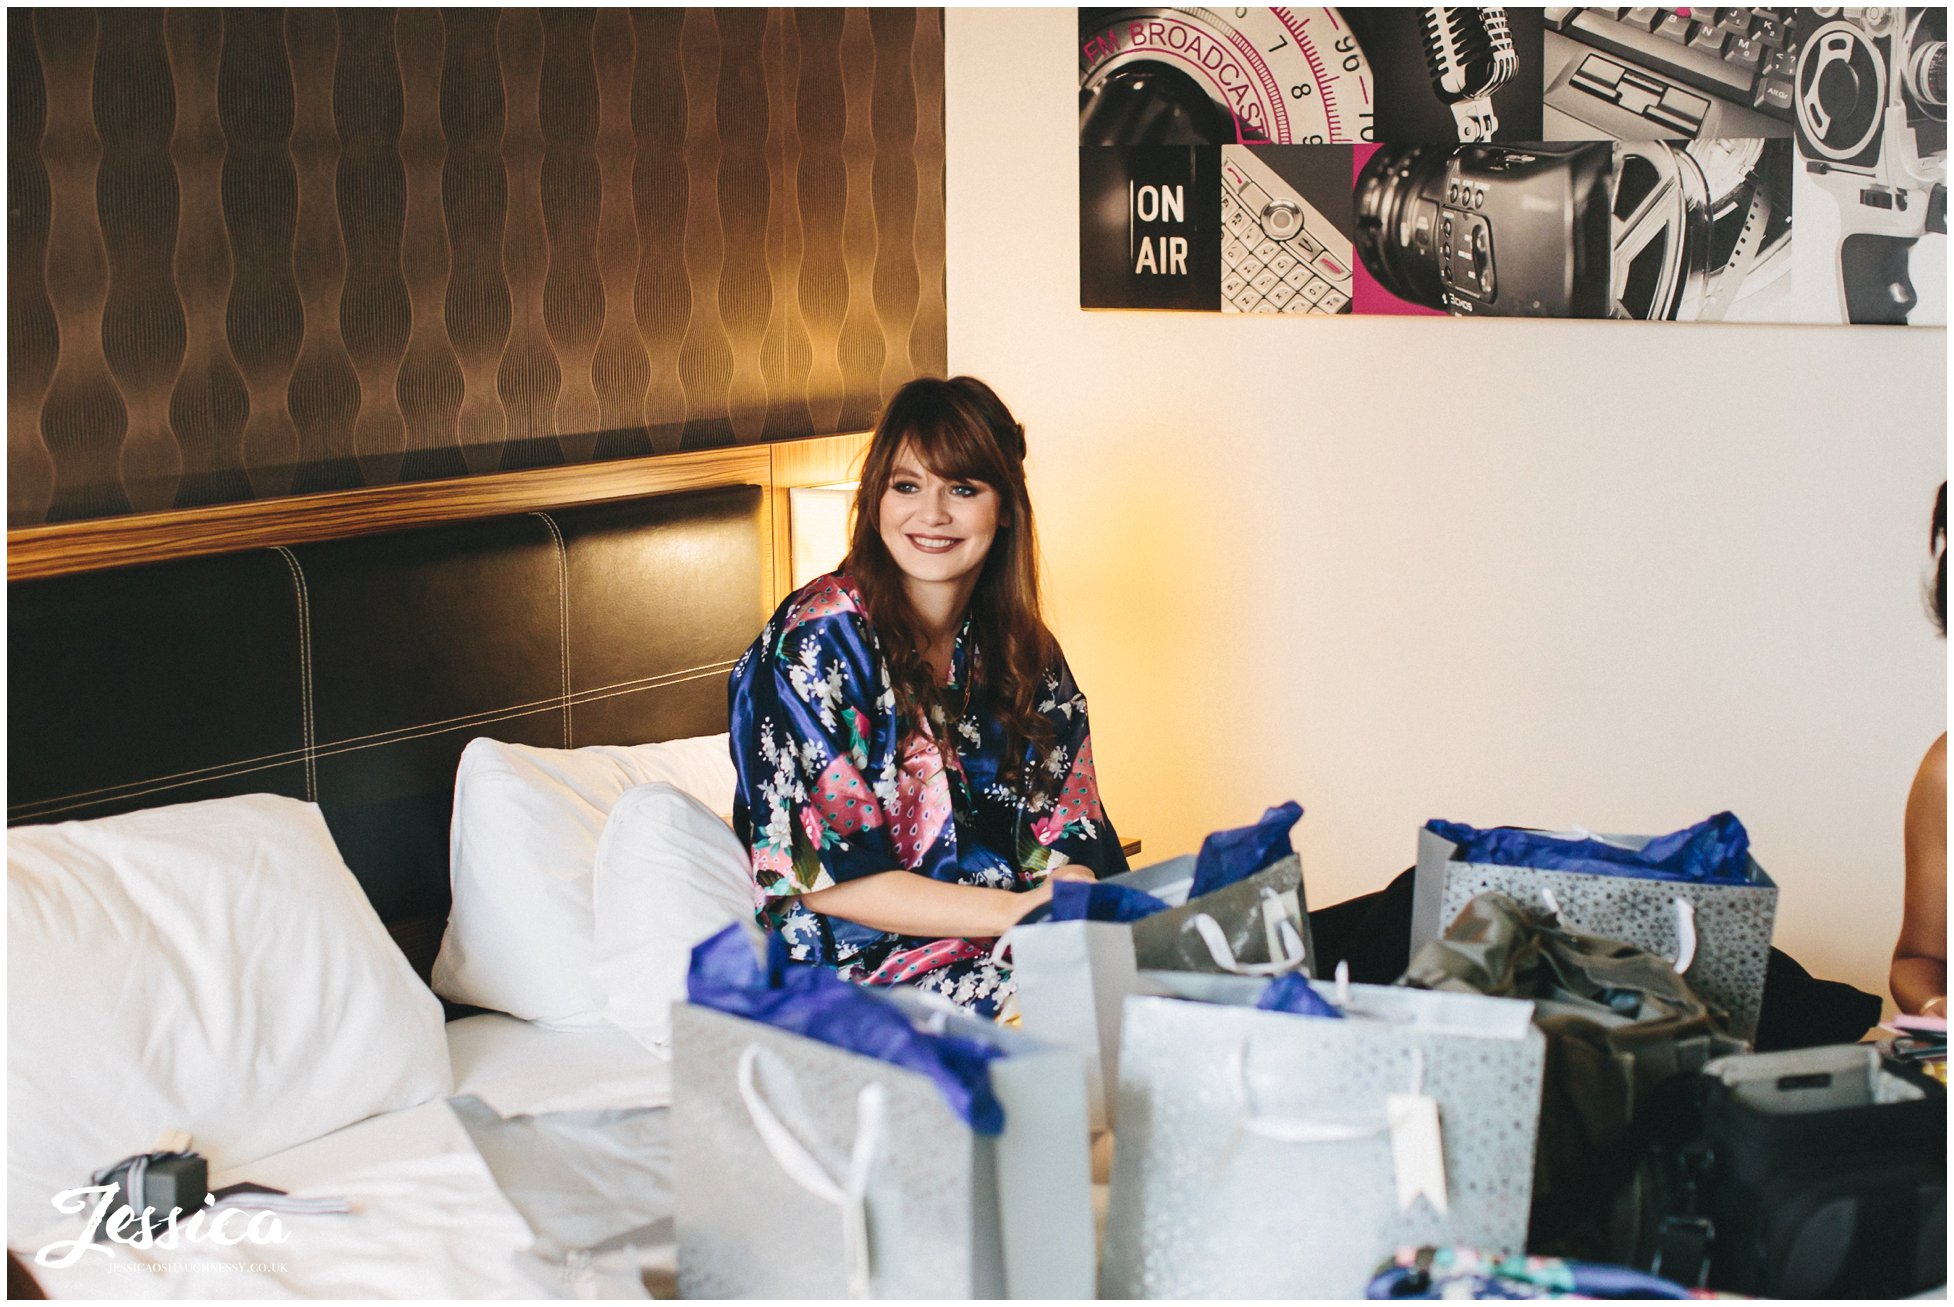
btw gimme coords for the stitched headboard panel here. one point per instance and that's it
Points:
(352, 672)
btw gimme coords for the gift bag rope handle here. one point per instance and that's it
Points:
(1003, 945)
(1283, 936)
(1291, 1130)
(850, 1193)
(1685, 926)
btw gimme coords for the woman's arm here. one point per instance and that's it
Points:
(906, 903)
(1919, 974)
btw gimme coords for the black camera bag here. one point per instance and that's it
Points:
(1800, 1183)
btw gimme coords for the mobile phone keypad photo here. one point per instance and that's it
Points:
(1279, 254)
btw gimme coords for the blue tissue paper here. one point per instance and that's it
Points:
(1713, 851)
(1294, 993)
(1080, 900)
(815, 1002)
(1231, 855)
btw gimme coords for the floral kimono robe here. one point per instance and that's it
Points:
(832, 786)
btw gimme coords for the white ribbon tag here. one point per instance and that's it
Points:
(1417, 1151)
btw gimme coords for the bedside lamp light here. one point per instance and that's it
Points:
(817, 527)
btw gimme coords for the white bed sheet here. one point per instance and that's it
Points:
(429, 1218)
(516, 1067)
(428, 1222)
(564, 1080)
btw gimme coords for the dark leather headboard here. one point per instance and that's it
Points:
(352, 672)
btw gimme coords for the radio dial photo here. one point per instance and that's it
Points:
(1221, 77)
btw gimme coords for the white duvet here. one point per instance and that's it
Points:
(429, 1218)
(428, 1221)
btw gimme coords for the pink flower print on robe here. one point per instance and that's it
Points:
(822, 598)
(922, 803)
(1078, 797)
(841, 802)
(811, 826)
(773, 870)
(908, 964)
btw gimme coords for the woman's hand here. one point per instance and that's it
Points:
(1041, 893)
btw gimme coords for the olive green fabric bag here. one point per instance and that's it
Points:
(1624, 1033)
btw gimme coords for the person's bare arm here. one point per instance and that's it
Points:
(1919, 972)
(906, 903)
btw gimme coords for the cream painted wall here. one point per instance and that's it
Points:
(1619, 575)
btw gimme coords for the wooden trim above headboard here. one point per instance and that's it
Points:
(69, 547)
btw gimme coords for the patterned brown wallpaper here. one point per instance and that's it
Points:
(256, 252)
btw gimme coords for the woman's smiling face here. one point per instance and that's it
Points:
(938, 530)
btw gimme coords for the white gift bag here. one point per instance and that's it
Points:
(802, 1170)
(1717, 934)
(1271, 1155)
(1074, 976)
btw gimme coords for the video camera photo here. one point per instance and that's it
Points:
(1625, 229)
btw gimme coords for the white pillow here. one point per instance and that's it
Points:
(669, 874)
(211, 967)
(520, 937)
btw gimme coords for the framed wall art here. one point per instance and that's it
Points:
(1687, 164)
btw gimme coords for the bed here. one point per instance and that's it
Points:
(335, 655)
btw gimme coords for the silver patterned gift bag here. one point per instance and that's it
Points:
(1257, 926)
(1073, 976)
(1270, 1155)
(802, 1170)
(1717, 934)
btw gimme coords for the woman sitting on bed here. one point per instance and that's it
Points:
(913, 756)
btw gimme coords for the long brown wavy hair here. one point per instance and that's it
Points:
(962, 431)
